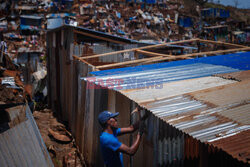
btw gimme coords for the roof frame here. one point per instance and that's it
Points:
(156, 57)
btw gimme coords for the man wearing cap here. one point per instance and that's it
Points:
(111, 147)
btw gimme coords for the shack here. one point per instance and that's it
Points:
(218, 32)
(74, 53)
(217, 13)
(29, 59)
(189, 125)
(30, 24)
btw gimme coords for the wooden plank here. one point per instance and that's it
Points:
(98, 37)
(162, 58)
(128, 62)
(152, 53)
(134, 49)
(84, 61)
(214, 52)
(222, 43)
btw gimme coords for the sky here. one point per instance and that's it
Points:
(242, 3)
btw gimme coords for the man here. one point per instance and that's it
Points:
(111, 147)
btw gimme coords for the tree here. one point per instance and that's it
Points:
(201, 2)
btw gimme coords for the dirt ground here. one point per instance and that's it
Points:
(58, 140)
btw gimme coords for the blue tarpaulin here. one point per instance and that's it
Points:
(240, 61)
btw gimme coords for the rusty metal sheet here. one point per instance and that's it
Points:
(174, 88)
(237, 145)
(239, 76)
(225, 95)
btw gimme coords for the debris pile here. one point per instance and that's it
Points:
(58, 140)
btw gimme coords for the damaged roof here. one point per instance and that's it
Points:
(187, 95)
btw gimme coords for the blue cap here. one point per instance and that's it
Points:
(106, 115)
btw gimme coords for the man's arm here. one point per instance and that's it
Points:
(129, 129)
(131, 150)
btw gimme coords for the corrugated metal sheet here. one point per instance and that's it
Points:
(204, 121)
(239, 142)
(23, 145)
(174, 88)
(102, 48)
(156, 77)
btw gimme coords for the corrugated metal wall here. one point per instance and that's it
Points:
(22, 145)
(68, 97)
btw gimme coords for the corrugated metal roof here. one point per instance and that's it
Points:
(22, 145)
(202, 120)
(151, 77)
(239, 142)
(175, 88)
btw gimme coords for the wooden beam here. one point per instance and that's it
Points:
(152, 53)
(127, 62)
(214, 52)
(134, 49)
(84, 61)
(222, 43)
(162, 58)
(98, 37)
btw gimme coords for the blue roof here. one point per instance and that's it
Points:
(240, 61)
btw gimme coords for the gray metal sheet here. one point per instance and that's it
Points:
(147, 78)
(22, 146)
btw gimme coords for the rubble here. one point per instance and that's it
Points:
(23, 26)
(61, 146)
(59, 137)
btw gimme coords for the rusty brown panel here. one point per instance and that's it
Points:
(224, 95)
(196, 148)
(186, 147)
(237, 145)
(238, 76)
(122, 106)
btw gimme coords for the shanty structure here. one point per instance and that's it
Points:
(184, 129)
(21, 143)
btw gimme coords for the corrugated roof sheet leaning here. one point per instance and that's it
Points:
(23, 145)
